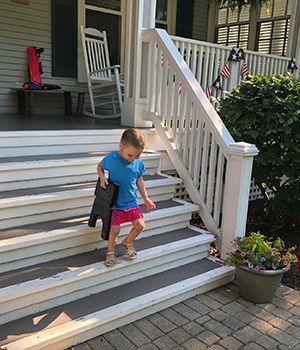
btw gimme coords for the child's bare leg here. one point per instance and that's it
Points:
(138, 227)
(113, 235)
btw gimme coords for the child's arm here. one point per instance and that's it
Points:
(142, 188)
(101, 175)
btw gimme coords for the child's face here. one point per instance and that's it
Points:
(129, 152)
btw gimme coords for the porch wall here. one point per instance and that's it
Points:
(22, 26)
(200, 19)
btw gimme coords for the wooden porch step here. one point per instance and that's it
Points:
(83, 319)
(38, 287)
(36, 171)
(26, 206)
(27, 245)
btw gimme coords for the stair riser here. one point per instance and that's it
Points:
(60, 295)
(119, 315)
(63, 174)
(78, 242)
(52, 209)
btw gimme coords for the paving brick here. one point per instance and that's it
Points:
(231, 343)
(148, 329)
(282, 313)
(193, 328)
(216, 347)
(197, 306)
(82, 346)
(161, 322)
(244, 302)
(174, 317)
(149, 347)
(283, 337)
(201, 320)
(194, 344)
(179, 335)
(252, 346)
(247, 334)
(164, 343)
(288, 294)
(134, 335)
(295, 331)
(178, 347)
(244, 316)
(100, 343)
(117, 340)
(267, 342)
(233, 323)
(228, 293)
(261, 325)
(233, 308)
(280, 323)
(265, 315)
(295, 320)
(208, 301)
(186, 311)
(219, 315)
(295, 310)
(219, 297)
(284, 304)
(267, 307)
(217, 328)
(208, 337)
(254, 310)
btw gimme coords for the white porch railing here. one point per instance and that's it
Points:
(216, 171)
(206, 59)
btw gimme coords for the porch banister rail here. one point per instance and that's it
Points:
(215, 169)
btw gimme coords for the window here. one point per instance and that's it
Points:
(273, 27)
(233, 27)
(165, 15)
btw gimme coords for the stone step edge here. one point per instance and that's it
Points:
(60, 234)
(69, 194)
(10, 293)
(100, 322)
(36, 164)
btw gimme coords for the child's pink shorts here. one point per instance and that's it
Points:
(127, 215)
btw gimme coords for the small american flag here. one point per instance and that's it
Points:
(180, 89)
(226, 71)
(207, 92)
(244, 70)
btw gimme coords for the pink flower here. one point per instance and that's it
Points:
(243, 254)
(285, 262)
(273, 253)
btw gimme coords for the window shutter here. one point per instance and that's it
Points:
(64, 38)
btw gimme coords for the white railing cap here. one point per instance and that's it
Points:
(243, 148)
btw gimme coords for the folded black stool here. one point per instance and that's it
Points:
(102, 207)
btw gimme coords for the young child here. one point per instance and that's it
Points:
(126, 170)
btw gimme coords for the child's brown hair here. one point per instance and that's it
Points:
(133, 137)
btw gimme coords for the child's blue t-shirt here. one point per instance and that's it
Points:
(125, 174)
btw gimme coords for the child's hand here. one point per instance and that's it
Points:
(149, 204)
(103, 182)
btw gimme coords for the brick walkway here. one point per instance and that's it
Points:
(216, 320)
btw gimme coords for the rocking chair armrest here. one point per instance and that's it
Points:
(106, 69)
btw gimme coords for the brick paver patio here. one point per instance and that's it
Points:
(216, 320)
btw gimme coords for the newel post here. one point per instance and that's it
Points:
(236, 193)
(234, 74)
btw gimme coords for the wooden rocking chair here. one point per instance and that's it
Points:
(104, 87)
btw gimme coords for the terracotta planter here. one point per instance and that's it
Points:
(258, 286)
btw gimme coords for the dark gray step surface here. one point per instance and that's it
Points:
(52, 268)
(79, 308)
(60, 188)
(67, 222)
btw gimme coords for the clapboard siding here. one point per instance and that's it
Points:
(200, 19)
(22, 26)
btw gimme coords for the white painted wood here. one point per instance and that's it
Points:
(40, 294)
(73, 332)
(235, 205)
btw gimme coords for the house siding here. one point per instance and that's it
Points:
(200, 20)
(20, 27)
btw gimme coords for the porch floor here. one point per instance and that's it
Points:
(218, 319)
(15, 122)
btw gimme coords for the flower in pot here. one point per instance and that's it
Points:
(260, 265)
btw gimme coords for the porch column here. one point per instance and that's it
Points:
(140, 14)
(236, 193)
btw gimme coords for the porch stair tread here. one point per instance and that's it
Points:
(113, 307)
(30, 193)
(72, 263)
(74, 221)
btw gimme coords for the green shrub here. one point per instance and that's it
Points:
(265, 111)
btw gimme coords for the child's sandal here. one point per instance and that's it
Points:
(129, 249)
(110, 259)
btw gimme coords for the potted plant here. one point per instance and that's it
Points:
(260, 265)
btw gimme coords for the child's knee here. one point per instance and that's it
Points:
(139, 225)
